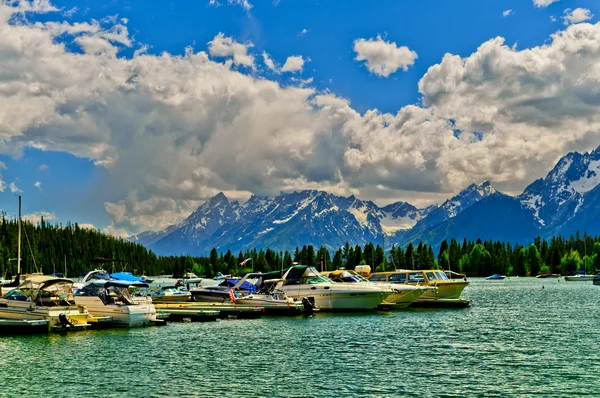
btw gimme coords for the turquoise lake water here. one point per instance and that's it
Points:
(516, 339)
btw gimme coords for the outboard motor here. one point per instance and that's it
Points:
(309, 304)
(64, 322)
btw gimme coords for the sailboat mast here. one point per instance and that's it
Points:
(19, 240)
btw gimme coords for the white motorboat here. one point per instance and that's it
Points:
(45, 298)
(170, 294)
(402, 295)
(119, 300)
(579, 277)
(304, 281)
(264, 295)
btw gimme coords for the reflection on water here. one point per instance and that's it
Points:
(520, 336)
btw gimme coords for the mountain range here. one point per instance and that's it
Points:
(562, 203)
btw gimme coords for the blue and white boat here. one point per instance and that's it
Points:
(495, 277)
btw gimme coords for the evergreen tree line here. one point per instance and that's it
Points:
(53, 248)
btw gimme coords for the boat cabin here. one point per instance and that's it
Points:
(411, 277)
(45, 291)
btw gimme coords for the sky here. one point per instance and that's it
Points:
(126, 115)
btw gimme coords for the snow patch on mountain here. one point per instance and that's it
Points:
(391, 225)
(360, 214)
(589, 180)
(534, 203)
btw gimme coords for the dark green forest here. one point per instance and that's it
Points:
(55, 248)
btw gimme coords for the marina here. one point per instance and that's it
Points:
(497, 337)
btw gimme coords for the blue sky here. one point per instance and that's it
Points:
(79, 179)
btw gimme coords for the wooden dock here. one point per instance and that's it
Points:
(225, 309)
(23, 326)
(194, 315)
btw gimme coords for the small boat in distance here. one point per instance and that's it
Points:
(495, 277)
(220, 277)
(548, 276)
(170, 294)
(596, 280)
(579, 277)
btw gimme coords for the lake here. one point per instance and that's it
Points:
(521, 336)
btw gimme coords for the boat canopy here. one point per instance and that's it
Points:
(117, 283)
(244, 286)
(126, 276)
(42, 281)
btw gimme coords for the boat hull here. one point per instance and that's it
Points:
(333, 299)
(580, 278)
(210, 296)
(76, 315)
(403, 299)
(176, 298)
(122, 315)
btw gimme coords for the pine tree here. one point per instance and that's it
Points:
(410, 261)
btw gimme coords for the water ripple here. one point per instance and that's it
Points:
(517, 339)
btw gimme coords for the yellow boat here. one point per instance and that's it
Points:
(448, 292)
(45, 298)
(401, 297)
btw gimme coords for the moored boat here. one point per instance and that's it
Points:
(305, 281)
(113, 298)
(402, 295)
(596, 280)
(274, 301)
(45, 298)
(495, 277)
(547, 275)
(220, 292)
(170, 294)
(579, 277)
(448, 292)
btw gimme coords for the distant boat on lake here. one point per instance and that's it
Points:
(579, 277)
(547, 276)
(495, 277)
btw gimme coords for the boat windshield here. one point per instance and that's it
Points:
(346, 276)
(51, 295)
(416, 277)
(109, 295)
(431, 276)
(441, 276)
(310, 276)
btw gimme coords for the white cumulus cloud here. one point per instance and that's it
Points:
(14, 188)
(177, 129)
(245, 4)
(36, 218)
(543, 3)
(294, 63)
(222, 46)
(506, 13)
(383, 58)
(269, 62)
(38, 185)
(577, 15)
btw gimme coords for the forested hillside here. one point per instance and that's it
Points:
(47, 248)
